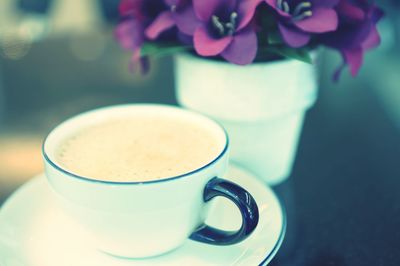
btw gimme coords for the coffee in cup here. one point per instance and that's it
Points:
(138, 148)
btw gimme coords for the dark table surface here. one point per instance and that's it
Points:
(343, 198)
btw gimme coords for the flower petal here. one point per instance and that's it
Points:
(376, 14)
(205, 9)
(163, 22)
(185, 39)
(358, 35)
(325, 3)
(129, 34)
(293, 37)
(354, 58)
(172, 2)
(351, 57)
(243, 48)
(126, 6)
(322, 20)
(206, 45)
(373, 39)
(186, 20)
(350, 11)
(131, 7)
(246, 11)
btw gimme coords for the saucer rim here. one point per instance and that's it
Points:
(282, 234)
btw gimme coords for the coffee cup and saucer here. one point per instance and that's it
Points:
(140, 185)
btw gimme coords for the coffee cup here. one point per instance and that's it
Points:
(139, 178)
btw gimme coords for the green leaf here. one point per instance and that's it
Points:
(149, 49)
(162, 49)
(301, 54)
(274, 38)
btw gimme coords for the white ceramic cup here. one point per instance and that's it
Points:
(142, 219)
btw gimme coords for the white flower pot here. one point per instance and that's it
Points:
(262, 106)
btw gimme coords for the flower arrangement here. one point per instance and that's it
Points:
(246, 31)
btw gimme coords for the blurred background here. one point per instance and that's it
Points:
(58, 58)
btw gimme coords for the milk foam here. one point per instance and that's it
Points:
(138, 149)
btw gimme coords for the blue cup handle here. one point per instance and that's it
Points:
(243, 200)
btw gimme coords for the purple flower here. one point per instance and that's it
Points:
(357, 33)
(130, 35)
(154, 15)
(144, 20)
(222, 27)
(300, 19)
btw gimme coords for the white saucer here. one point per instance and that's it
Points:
(35, 232)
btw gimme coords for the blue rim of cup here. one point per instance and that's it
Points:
(83, 178)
